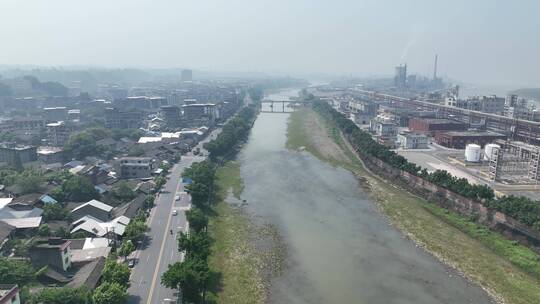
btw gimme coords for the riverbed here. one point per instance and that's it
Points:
(340, 249)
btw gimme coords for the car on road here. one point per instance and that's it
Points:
(131, 263)
(177, 197)
(175, 212)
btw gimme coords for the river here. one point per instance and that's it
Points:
(340, 249)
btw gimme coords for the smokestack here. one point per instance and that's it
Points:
(435, 67)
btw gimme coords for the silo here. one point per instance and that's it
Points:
(472, 153)
(488, 150)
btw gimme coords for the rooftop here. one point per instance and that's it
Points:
(438, 121)
(472, 133)
(7, 290)
(96, 204)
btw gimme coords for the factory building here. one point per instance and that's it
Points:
(433, 125)
(411, 140)
(459, 140)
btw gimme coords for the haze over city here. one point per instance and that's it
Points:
(483, 42)
(269, 152)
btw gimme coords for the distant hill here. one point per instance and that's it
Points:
(533, 93)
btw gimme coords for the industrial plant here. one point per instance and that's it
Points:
(487, 139)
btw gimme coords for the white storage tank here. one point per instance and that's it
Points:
(472, 153)
(488, 150)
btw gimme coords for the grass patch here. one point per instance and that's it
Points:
(232, 255)
(506, 269)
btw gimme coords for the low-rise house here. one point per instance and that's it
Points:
(96, 173)
(130, 209)
(6, 232)
(93, 208)
(9, 294)
(88, 275)
(86, 250)
(54, 252)
(20, 216)
(95, 227)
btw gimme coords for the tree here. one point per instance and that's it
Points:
(195, 244)
(44, 230)
(126, 248)
(199, 194)
(135, 230)
(110, 293)
(82, 144)
(149, 201)
(135, 151)
(191, 276)
(123, 192)
(62, 295)
(114, 272)
(29, 183)
(16, 272)
(77, 188)
(54, 212)
(160, 181)
(197, 219)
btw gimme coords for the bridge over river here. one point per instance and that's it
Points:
(281, 106)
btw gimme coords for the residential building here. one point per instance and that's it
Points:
(383, 127)
(94, 208)
(141, 102)
(50, 155)
(170, 115)
(411, 140)
(116, 118)
(54, 252)
(201, 111)
(9, 294)
(14, 154)
(55, 114)
(134, 167)
(58, 133)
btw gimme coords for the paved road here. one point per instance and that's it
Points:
(160, 248)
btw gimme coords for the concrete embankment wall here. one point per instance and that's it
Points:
(445, 198)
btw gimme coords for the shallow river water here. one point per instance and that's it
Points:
(340, 249)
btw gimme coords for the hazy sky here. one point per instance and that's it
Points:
(481, 41)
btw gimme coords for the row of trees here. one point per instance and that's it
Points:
(192, 275)
(234, 131)
(520, 208)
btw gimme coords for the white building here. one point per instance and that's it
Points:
(412, 141)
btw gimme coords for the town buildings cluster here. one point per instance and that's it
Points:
(78, 169)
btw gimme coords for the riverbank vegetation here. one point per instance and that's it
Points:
(227, 280)
(505, 269)
(520, 208)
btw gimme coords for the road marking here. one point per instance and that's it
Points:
(149, 300)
